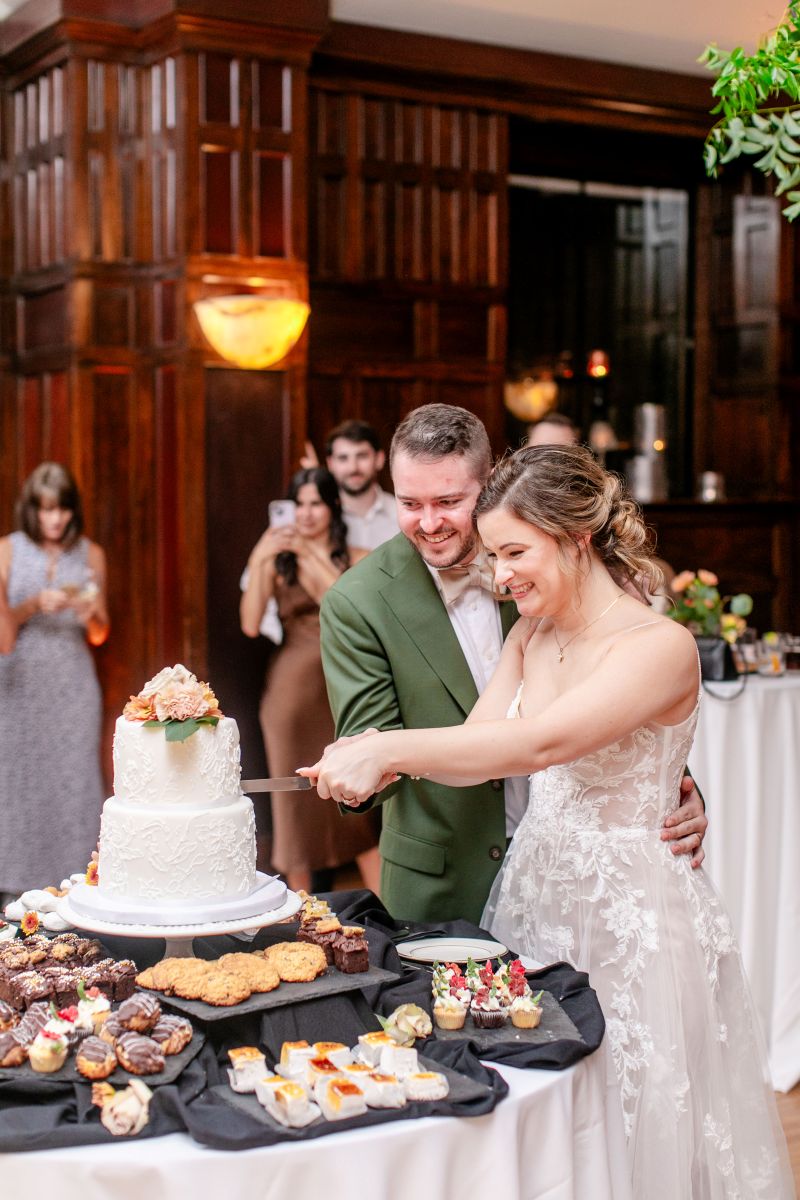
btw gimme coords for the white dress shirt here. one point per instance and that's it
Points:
(376, 525)
(475, 617)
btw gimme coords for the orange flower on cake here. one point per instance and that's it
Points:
(176, 701)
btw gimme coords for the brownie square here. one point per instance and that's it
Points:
(123, 978)
(28, 987)
(351, 955)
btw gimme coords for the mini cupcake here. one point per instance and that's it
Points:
(93, 1008)
(48, 1051)
(449, 1012)
(526, 1012)
(487, 1011)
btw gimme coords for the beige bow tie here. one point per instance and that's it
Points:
(455, 580)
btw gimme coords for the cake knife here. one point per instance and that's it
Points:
(286, 783)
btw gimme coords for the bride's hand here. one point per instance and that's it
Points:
(351, 769)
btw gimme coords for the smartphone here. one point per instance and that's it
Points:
(282, 513)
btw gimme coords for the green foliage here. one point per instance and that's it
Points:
(758, 96)
(179, 731)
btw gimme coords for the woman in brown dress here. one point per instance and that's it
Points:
(296, 564)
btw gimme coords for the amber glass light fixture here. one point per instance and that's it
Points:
(598, 365)
(252, 331)
(530, 398)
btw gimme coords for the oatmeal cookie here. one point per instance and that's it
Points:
(254, 969)
(224, 988)
(297, 962)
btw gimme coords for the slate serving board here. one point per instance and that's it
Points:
(332, 983)
(69, 1073)
(554, 1025)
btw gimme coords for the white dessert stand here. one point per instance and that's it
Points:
(179, 938)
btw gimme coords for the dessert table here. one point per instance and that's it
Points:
(556, 1136)
(746, 760)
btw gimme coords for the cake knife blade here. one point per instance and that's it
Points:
(286, 783)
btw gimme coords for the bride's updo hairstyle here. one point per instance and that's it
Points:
(564, 491)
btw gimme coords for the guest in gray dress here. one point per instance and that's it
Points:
(52, 590)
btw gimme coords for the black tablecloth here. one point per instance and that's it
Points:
(39, 1115)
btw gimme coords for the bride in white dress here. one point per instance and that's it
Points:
(605, 697)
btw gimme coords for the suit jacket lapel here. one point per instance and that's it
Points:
(413, 598)
(508, 615)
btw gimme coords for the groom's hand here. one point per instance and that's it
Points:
(686, 826)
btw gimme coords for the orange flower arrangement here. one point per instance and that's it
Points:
(91, 875)
(699, 606)
(29, 923)
(176, 701)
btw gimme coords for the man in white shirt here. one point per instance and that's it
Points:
(410, 637)
(354, 457)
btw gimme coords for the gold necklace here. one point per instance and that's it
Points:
(594, 621)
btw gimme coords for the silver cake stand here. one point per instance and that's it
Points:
(179, 938)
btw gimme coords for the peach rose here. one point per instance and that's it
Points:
(682, 581)
(180, 703)
(708, 578)
(139, 709)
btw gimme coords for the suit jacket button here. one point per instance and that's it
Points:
(495, 853)
(497, 785)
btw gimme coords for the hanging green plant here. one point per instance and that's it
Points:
(758, 96)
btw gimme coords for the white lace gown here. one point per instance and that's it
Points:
(588, 880)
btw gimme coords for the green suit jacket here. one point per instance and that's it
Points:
(392, 659)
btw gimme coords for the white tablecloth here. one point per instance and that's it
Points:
(746, 760)
(556, 1136)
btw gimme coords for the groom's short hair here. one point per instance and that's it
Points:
(438, 430)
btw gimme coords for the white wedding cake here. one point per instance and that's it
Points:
(177, 838)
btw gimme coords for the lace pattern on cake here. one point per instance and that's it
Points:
(148, 770)
(210, 857)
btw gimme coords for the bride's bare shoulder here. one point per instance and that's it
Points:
(662, 633)
(522, 631)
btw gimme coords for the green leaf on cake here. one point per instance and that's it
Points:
(179, 731)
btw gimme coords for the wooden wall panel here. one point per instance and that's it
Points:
(407, 256)
(246, 422)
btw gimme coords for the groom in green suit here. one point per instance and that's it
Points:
(410, 637)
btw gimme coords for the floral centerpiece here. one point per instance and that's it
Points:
(176, 701)
(699, 606)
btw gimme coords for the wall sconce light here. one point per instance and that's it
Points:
(598, 365)
(252, 331)
(530, 398)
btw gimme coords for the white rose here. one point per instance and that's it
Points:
(127, 1112)
(177, 674)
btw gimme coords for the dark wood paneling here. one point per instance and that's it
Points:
(749, 546)
(246, 431)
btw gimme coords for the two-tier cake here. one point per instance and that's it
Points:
(177, 838)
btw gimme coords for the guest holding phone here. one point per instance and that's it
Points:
(297, 558)
(52, 591)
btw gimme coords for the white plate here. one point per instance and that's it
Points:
(458, 950)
